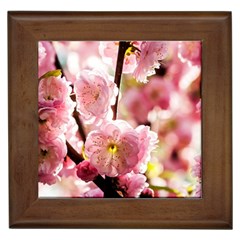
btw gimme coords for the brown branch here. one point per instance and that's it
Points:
(109, 192)
(73, 154)
(123, 46)
(81, 131)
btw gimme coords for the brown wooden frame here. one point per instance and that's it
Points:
(214, 210)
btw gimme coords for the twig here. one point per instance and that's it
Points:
(123, 46)
(109, 192)
(73, 154)
(81, 131)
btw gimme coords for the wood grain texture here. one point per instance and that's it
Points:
(214, 210)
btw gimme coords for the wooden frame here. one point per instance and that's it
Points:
(214, 210)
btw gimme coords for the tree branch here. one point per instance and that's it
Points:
(123, 46)
(73, 154)
(81, 131)
(109, 192)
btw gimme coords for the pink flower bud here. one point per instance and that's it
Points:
(86, 171)
(147, 193)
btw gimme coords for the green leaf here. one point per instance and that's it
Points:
(54, 73)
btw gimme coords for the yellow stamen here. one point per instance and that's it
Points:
(112, 148)
(83, 153)
(129, 51)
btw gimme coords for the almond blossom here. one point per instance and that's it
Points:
(50, 157)
(116, 148)
(95, 93)
(41, 53)
(109, 52)
(149, 59)
(157, 93)
(50, 125)
(136, 104)
(141, 58)
(55, 106)
(46, 57)
(131, 185)
(190, 51)
(113, 148)
(54, 92)
(93, 193)
(147, 143)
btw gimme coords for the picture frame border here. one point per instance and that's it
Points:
(212, 211)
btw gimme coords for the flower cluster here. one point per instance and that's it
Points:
(84, 151)
(141, 58)
(54, 108)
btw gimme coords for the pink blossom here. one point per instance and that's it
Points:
(197, 167)
(198, 190)
(196, 114)
(94, 193)
(46, 57)
(41, 53)
(190, 51)
(46, 178)
(199, 106)
(113, 148)
(147, 193)
(53, 92)
(95, 93)
(157, 92)
(175, 161)
(86, 171)
(55, 106)
(131, 184)
(178, 129)
(147, 142)
(151, 55)
(50, 158)
(50, 126)
(137, 105)
(68, 168)
(109, 52)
